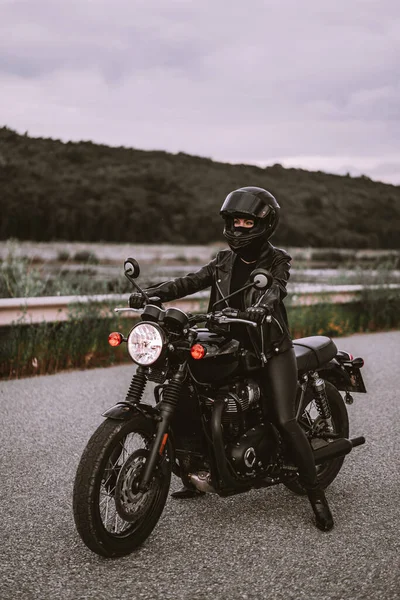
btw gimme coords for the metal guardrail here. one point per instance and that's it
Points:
(60, 308)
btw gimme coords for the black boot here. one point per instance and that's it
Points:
(187, 492)
(319, 503)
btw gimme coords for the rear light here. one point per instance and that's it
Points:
(115, 338)
(198, 351)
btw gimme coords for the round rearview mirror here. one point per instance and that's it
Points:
(261, 278)
(131, 268)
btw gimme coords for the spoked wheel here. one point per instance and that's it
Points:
(111, 515)
(312, 423)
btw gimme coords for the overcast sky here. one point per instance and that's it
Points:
(306, 83)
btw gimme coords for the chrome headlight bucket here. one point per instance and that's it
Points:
(146, 342)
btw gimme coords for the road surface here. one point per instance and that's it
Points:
(253, 546)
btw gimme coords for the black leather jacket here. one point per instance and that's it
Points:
(270, 338)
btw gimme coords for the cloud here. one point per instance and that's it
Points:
(245, 82)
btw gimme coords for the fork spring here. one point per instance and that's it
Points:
(136, 389)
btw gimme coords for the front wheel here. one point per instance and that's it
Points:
(111, 516)
(310, 421)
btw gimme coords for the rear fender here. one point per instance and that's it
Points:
(123, 411)
(345, 379)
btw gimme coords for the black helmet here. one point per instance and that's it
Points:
(251, 202)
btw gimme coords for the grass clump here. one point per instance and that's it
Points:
(63, 255)
(375, 310)
(22, 277)
(82, 341)
(86, 256)
(78, 343)
(19, 278)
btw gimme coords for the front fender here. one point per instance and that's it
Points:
(123, 411)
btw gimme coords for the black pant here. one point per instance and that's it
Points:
(279, 379)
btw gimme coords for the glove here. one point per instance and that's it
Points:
(136, 300)
(256, 313)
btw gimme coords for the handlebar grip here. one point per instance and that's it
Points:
(197, 319)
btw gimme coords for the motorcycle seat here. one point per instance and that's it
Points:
(312, 352)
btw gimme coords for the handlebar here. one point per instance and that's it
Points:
(227, 315)
(224, 317)
(232, 315)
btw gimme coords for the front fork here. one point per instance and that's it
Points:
(166, 410)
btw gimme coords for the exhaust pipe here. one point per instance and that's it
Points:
(335, 449)
(358, 441)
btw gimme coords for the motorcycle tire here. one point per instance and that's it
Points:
(326, 472)
(111, 517)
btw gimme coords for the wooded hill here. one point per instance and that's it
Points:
(50, 190)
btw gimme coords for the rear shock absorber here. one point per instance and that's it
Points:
(138, 384)
(321, 400)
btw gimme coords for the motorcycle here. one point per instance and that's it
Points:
(208, 424)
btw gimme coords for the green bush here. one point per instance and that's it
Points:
(377, 310)
(44, 348)
(19, 278)
(63, 255)
(82, 341)
(85, 256)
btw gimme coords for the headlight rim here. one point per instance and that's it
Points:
(163, 340)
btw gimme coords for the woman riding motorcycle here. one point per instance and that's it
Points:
(251, 216)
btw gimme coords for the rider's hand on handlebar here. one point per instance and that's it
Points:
(230, 312)
(136, 300)
(257, 314)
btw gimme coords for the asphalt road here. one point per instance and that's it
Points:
(258, 545)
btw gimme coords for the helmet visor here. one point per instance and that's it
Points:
(245, 203)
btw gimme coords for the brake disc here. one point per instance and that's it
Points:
(132, 504)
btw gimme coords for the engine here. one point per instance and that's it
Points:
(250, 443)
(242, 407)
(244, 395)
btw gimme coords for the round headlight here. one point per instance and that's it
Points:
(145, 343)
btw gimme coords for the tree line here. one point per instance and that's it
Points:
(50, 190)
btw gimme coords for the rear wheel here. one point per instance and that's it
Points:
(111, 515)
(311, 422)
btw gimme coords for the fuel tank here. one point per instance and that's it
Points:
(221, 359)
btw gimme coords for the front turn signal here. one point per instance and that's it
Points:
(115, 338)
(197, 351)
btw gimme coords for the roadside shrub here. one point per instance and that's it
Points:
(63, 255)
(82, 341)
(85, 256)
(78, 343)
(19, 278)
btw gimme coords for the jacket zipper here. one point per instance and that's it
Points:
(219, 289)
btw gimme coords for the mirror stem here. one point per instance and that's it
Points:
(247, 286)
(139, 289)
